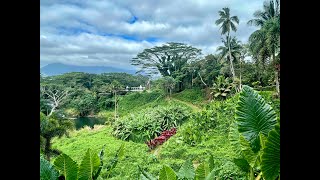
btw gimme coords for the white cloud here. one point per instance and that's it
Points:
(96, 32)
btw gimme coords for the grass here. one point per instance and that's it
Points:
(79, 141)
(195, 96)
(173, 152)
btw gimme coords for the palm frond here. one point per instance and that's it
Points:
(235, 19)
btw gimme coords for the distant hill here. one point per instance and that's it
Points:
(59, 68)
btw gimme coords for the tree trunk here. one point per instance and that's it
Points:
(277, 82)
(276, 75)
(52, 110)
(240, 86)
(47, 148)
(115, 105)
(230, 58)
(191, 80)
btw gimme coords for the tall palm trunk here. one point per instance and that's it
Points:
(240, 77)
(115, 105)
(276, 75)
(230, 58)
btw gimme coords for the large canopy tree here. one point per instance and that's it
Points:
(55, 94)
(227, 25)
(166, 59)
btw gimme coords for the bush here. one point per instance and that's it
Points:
(149, 123)
(71, 112)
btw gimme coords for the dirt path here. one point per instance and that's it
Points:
(194, 107)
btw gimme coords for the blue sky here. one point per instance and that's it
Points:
(110, 33)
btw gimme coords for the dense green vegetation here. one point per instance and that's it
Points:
(224, 112)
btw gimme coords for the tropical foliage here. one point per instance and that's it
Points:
(197, 119)
(150, 123)
(64, 167)
(256, 134)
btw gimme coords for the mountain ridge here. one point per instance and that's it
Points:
(59, 68)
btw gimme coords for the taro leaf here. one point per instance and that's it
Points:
(254, 117)
(251, 157)
(242, 164)
(234, 138)
(90, 163)
(47, 171)
(67, 167)
(202, 171)
(186, 171)
(270, 160)
(166, 173)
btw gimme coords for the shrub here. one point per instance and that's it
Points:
(198, 129)
(149, 123)
(71, 112)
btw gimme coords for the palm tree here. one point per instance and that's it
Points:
(243, 54)
(232, 47)
(114, 87)
(227, 24)
(266, 40)
(50, 127)
(271, 10)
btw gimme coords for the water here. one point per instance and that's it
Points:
(87, 121)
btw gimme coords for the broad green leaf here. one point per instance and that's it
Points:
(242, 164)
(166, 173)
(247, 152)
(90, 163)
(254, 117)
(113, 163)
(224, 94)
(202, 171)
(187, 171)
(67, 167)
(47, 171)
(270, 160)
(234, 138)
(101, 154)
(211, 175)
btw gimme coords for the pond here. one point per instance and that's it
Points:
(87, 121)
